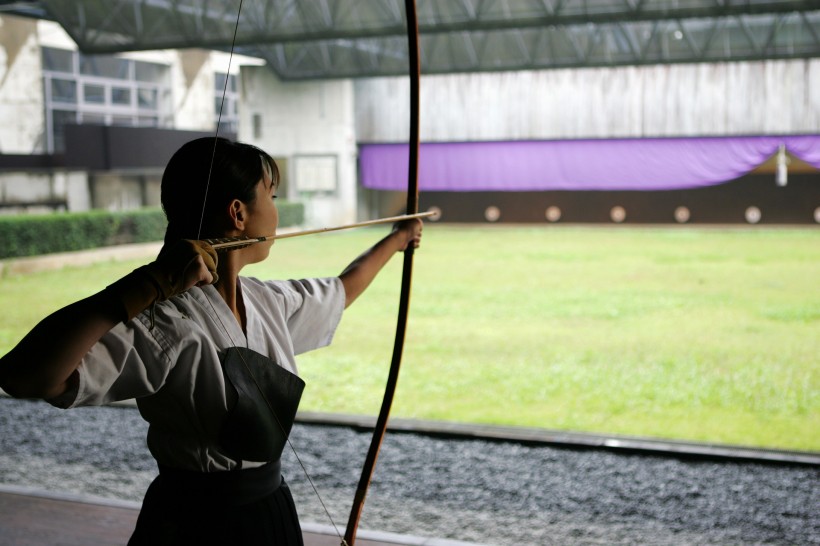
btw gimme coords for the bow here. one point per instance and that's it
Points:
(407, 273)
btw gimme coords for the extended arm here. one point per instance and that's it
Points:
(44, 364)
(360, 273)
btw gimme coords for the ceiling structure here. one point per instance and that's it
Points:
(320, 39)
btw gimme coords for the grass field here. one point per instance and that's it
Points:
(708, 334)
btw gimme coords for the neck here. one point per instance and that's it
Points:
(228, 268)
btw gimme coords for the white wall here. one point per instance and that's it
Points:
(22, 119)
(311, 125)
(71, 187)
(673, 100)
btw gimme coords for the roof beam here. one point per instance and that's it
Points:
(467, 15)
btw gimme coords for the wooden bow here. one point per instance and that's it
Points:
(407, 273)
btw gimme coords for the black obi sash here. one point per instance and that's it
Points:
(257, 427)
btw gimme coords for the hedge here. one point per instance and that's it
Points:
(32, 235)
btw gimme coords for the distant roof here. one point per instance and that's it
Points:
(321, 39)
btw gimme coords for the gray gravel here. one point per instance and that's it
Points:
(484, 492)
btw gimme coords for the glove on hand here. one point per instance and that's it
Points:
(162, 279)
(168, 272)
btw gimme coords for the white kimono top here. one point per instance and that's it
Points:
(173, 368)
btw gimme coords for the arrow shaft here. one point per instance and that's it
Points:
(227, 245)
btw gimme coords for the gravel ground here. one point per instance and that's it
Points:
(485, 492)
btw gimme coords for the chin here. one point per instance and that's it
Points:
(264, 250)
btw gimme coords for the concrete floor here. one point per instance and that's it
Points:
(33, 518)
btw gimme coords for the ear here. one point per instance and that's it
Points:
(238, 214)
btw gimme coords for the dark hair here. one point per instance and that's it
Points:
(202, 178)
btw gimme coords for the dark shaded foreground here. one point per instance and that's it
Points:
(485, 492)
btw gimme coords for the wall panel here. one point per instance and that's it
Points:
(772, 97)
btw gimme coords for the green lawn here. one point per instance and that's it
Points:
(704, 334)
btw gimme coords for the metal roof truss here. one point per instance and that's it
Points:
(362, 38)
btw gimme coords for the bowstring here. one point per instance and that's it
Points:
(219, 119)
(213, 308)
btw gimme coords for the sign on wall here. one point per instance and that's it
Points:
(316, 173)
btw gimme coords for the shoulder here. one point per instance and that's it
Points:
(259, 290)
(295, 293)
(299, 288)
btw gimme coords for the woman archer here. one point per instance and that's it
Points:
(209, 355)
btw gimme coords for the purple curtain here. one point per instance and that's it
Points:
(621, 164)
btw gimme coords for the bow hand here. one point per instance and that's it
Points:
(409, 233)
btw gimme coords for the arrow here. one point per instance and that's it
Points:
(241, 242)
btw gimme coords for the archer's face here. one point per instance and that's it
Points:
(263, 217)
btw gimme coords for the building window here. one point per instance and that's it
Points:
(147, 98)
(64, 91)
(257, 126)
(57, 121)
(102, 89)
(105, 66)
(93, 94)
(226, 102)
(149, 72)
(58, 60)
(121, 95)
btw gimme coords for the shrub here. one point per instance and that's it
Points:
(32, 235)
(142, 226)
(290, 213)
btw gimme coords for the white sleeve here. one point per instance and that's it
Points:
(313, 309)
(129, 361)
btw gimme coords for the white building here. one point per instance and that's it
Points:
(46, 83)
